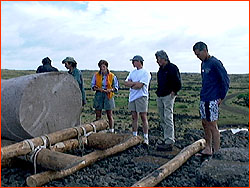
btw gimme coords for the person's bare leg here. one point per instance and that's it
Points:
(110, 118)
(145, 126)
(144, 122)
(98, 114)
(134, 121)
(208, 137)
(215, 135)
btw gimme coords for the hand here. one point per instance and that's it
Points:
(219, 102)
(172, 94)
(95, 88)
(108, 90)
(83, 103)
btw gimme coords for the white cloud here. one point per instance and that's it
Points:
(118, 30)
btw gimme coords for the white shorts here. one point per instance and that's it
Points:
(209, 110)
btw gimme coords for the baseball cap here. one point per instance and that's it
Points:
(69, 59)
(137, 58)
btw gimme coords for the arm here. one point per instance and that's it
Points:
(129, 83)
(94, 86)
(133, 85)
(115, 84)
(224, 81)
(137, 85)
(176, 81)
(78, 76)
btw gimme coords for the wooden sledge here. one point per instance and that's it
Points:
(45, 177)
(25, 147)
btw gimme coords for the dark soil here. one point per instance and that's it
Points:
(128, 167)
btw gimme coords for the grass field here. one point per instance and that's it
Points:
(186, 104)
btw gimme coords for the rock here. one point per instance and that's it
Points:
(135, 163)
(39, 104)
(228, 167)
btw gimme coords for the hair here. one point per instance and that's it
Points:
(101, 62)
(138, 61)
(46, 60)
(73, 64)
(200, 46)
(162, 54)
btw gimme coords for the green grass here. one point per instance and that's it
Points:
(187, 101)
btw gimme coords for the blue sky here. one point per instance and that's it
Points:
(118, 30)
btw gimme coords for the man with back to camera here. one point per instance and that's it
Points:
(138, 80)
(215, 84)
(46, 67)
(169, 83)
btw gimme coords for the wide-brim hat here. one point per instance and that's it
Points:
(69, 59)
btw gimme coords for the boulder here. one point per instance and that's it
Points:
(228, 168)
(39, 104)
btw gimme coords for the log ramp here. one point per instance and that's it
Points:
(61, 165)
(39, 104)
(51, 146)
(45, 177)
(23, 148)
(161, 173)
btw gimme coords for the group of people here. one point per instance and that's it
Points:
(215, 84)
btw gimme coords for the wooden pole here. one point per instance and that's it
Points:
(161, 173)
(60, 147)
(68, 145)
(23, 148)
(105, 140)
(45, 177)
(54, 160)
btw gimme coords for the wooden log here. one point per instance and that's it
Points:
(68, 145)
(45, 177)
(161, 173)
(36, 104)
(60, 147)
(54, 160)
(103, 140)
(23, 148)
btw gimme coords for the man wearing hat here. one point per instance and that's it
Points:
(169, 83)
(138, 81)
(70, 64)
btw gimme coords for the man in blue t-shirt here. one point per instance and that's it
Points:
(215, 84)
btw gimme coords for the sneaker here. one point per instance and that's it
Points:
(164, 147)
(111, 131)
(146, 141)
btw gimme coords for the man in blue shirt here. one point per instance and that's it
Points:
(215, 84)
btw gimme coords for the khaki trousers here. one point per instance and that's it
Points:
(165, 108)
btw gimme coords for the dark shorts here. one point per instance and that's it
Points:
(101, 101)
(209, 110)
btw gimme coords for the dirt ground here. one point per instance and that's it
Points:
(128, 167)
